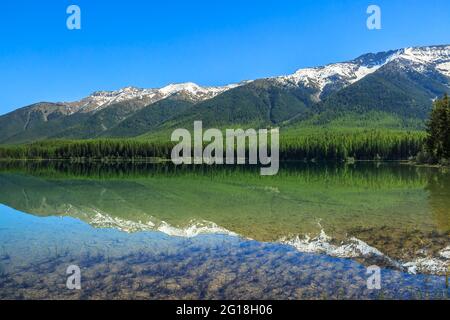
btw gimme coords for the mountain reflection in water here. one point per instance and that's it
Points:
(223, 232)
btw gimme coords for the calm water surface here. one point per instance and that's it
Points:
(156, 231)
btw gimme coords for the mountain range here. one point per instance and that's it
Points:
(392, 89)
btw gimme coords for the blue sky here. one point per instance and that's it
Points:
(153, 43)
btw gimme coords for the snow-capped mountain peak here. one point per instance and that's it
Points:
(177, 87)
(339, 75)
(320, 77)
(424, 55)
(425, 58)
(102, 99)
(336, 75)
(197, 92)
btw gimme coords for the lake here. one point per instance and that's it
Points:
(157, 231)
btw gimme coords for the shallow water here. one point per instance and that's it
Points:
(156, 231)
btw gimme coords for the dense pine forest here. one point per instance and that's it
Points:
(309, 145)
(358, 145)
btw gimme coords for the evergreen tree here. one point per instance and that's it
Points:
(438, 129)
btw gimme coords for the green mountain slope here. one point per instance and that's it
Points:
(99, 122)
(388, 94)
(38, 121)
(148, 118)
(257, 104)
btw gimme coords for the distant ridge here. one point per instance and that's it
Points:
(397, 84)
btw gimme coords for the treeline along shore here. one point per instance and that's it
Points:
(320, 145)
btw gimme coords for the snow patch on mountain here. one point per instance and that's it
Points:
(323, 244)
(194, 229)
(195, 90)
(320, 77)
(445, 253)
(424, 55)
(444, 68)
(427, 265)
